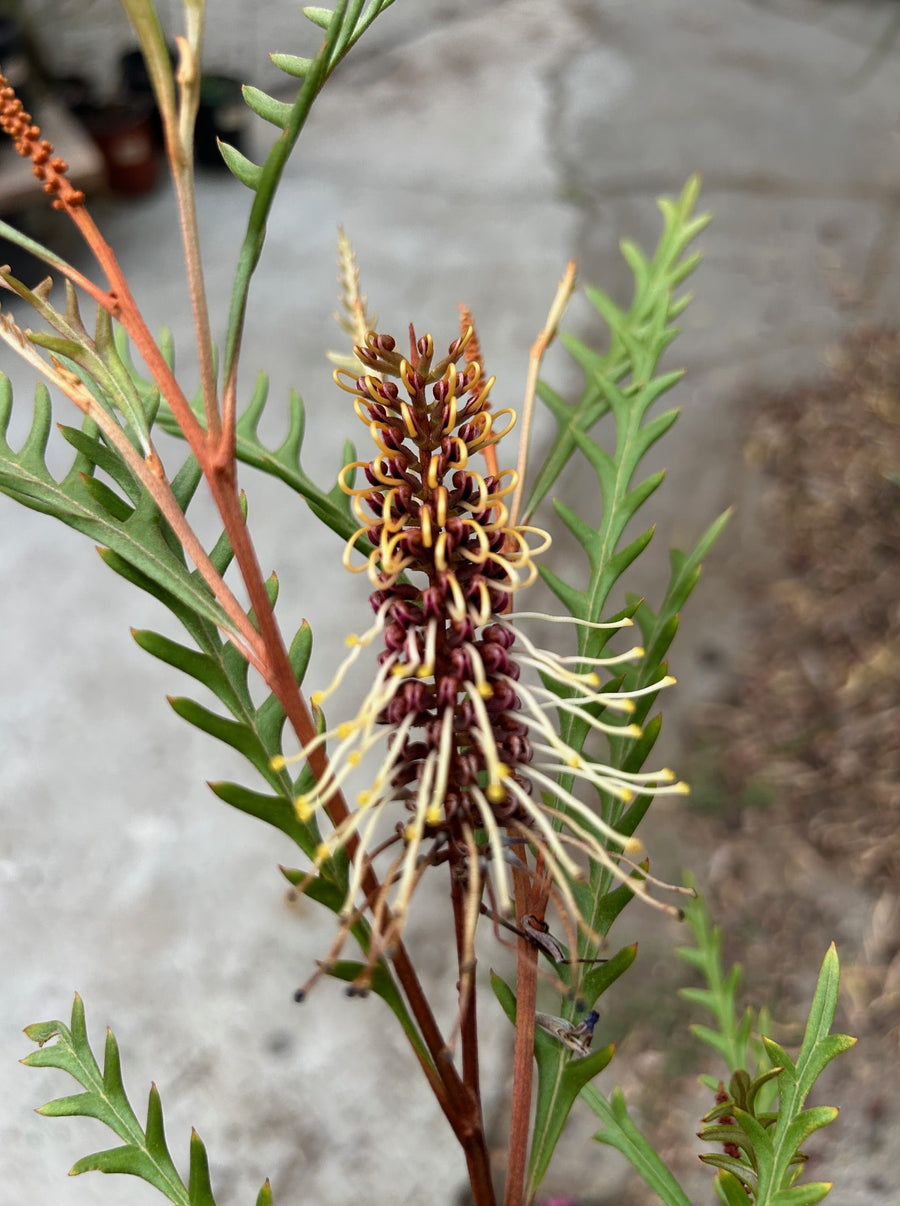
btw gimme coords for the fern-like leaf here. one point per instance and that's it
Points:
(626, 384)
(128, 524)
(619, 1131)
(143, 1151)
(343, 25)
(769, 1139)
(638, 336)
(736, 1033)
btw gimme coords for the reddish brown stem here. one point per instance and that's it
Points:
(214, 450)
(454, 1096)
(530, 898)
(468, 1017)
(120, 304)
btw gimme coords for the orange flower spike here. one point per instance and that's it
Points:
(26, 136)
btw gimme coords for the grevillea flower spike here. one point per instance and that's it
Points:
(467, 752)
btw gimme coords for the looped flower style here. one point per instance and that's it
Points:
(468, 747)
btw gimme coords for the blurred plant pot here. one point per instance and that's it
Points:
(14, 59)
(222, 114)
(135, 84)
(124, 134)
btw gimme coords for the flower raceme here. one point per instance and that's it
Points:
(47, 167)
(469, 752)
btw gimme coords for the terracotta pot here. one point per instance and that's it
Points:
(124, 134)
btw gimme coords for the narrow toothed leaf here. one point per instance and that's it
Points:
(155, 1133)
(573, 599)
(582, 531)
(806, 1123)
(143, 1152)
(289, 449)
(779, 1056)
(249, 421)
(318, 16)
(198, 665)
(637, 262)
(731, 1190)
(113, 504)
(278, 811)
(614, 317)
(234, 733)
(657, 428)
(131, 1161)
(730, 1164)
(35, 445)
(222, 552)
(585, 357)
(79, 1104)
(112, 1067)
(599, 979)
(619, 1131)
(803, 1195)
(199, 1185)
(276, 112)
(719, 1042)
(292, 64)
(638, 496)
(41, 1033)
(239, 165)
(99, 455)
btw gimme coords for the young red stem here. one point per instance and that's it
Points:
(120, 304)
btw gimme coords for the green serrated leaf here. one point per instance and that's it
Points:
(731, 1190)
(779, 1056)
(97, 455)
(199, 1185)
(599, 979)
(134, 540)
(292, 64)
(803, 1195)
(638, 335)
(248, 172)
(620, 1132)
(237, 734)
(198, 665)
(276, 112)
(806, 1123)
(141, 1154)
(735, 1167)
(274, 810)
(131, 1161)
(319, 16)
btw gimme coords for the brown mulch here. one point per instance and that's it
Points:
(815, 722)
(796, 833)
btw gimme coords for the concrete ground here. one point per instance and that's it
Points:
(468, 161)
